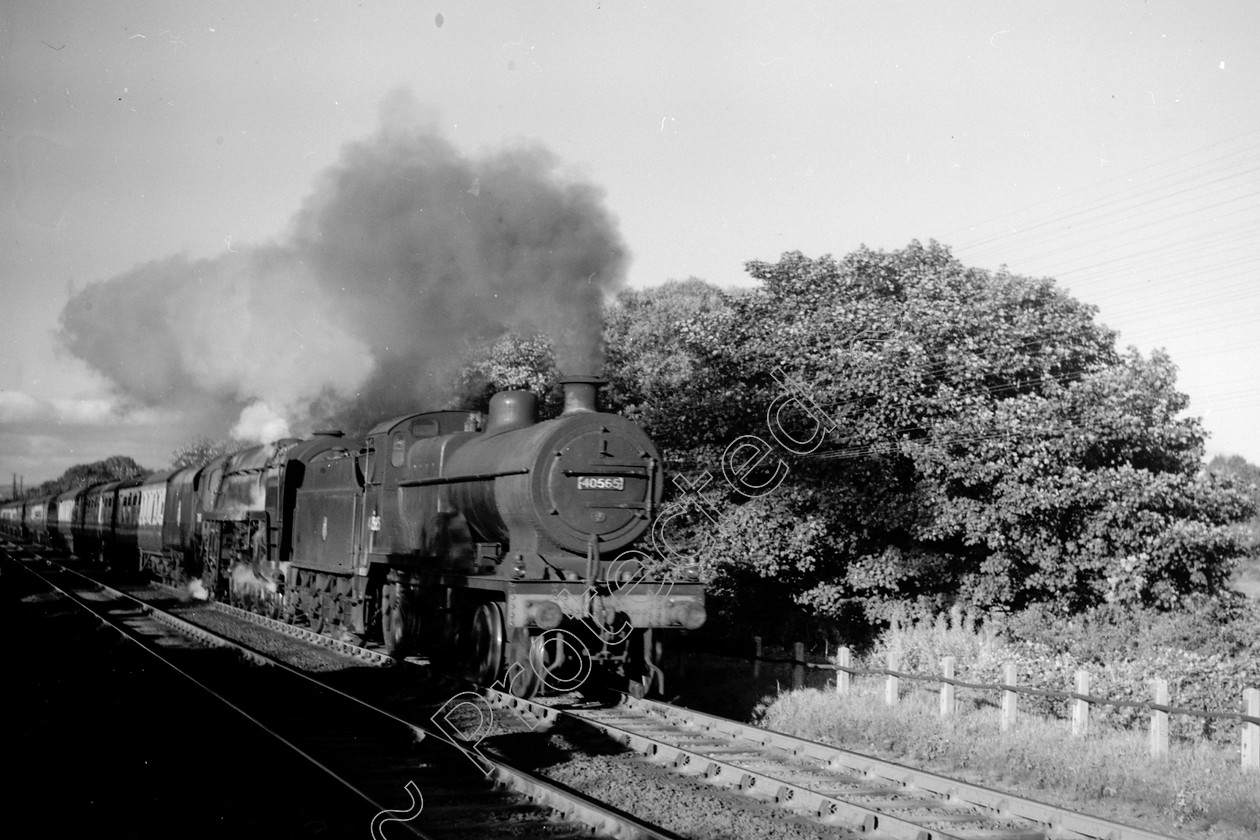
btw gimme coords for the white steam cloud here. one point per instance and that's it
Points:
(260, 421)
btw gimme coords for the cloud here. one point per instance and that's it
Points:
(41, 438)
(18, 407)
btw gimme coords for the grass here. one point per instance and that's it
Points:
(1198, 790)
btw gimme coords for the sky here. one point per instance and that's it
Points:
(211, 178)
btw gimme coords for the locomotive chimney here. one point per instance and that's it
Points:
(579, 393)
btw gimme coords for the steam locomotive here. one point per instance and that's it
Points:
(508, 548)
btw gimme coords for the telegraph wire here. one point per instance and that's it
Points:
(1164, 295)
(1127, 176)
(1182, 219)
(1065, 239)
(1129, 249)
(981, 247)
(1159, 235)
(1132, 188)
(1133, 212)
(1183, 225)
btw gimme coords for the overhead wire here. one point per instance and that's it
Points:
(1160, 164)
(1124, 200)
(1229, 252)
(1133, 214)
(1157, 211)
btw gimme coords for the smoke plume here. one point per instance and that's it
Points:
(407, 255)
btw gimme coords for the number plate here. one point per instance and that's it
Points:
(592, 482)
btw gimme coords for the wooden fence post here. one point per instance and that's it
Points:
(756, 657)
(1159, 720)
(1251, 731)
(1008, 697)
(947, 689)
(890, 682)
(1080, 708)
(844, 659)
(798, 665)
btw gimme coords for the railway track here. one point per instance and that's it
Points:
(816, 781)
(837, 790)
(822, 783)
(410, 775)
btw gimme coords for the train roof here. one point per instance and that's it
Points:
(76, 491)
(317, 443)
(185, 475)
(448, 421)
(259, 457)
(159, 477)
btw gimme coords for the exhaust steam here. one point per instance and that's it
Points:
(408, 254)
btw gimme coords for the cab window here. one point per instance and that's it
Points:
(398, 449)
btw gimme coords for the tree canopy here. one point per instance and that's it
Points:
(512, 362)
(1246, 475)
(113, 468)
(987, 441)
(200, 450)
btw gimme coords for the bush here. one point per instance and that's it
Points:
(1224, 624)
(1205, 653)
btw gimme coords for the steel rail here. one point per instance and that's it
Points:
(699, 756)
(1058, 821)
(705, 751)
(205, 637)
(567, 802)
(372, 657)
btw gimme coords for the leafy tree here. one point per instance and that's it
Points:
(201, 450)
(655, 374)
(1245, 474)
(991, 444)
(516, 362)
(113, 468)
(658, 369)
